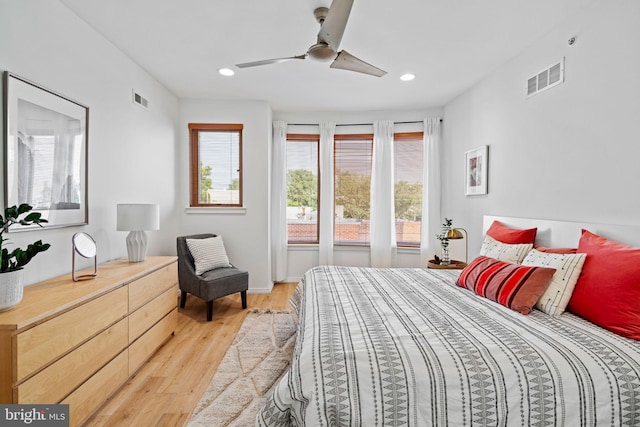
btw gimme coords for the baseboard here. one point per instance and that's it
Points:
(259, 291)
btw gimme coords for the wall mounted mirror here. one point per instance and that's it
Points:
(84, 245)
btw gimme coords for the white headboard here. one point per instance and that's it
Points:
(565, 233)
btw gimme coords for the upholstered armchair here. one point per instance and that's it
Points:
(210, 284)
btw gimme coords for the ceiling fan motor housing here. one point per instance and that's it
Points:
(321, 52)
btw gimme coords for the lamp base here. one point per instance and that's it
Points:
(137, 246)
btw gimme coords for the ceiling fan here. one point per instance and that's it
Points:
(332, 24)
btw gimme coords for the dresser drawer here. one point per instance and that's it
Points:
(54, 382)
(95, 391)
(46, 342)
(145, 346)
(152, 285)
(147, 315)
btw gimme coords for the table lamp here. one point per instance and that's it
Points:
(454, 234)
(138, 218)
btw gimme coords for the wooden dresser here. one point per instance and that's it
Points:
(78, 342)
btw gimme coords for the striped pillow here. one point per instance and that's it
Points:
(514, 253)
(514, 286)
(208, 254)
(568, 267)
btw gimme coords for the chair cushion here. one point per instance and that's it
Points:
(222, 281)
(208, 254)
(222, 273)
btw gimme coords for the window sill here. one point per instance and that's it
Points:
(343, 248)
(302, 247)
(224, 211)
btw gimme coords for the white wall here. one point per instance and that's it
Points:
(568, 153)
(303, 257)
(131, 150)
(245, 231)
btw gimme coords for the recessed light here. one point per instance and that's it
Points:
(407, 77)
(226, 72)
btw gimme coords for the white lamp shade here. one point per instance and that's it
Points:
(138, 217)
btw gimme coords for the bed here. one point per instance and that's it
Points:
(407, 346)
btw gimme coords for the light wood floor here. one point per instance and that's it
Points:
(167, 388)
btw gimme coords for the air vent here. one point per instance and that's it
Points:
(140, 100)
(545, 79)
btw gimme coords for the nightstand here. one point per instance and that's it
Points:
(455, 265)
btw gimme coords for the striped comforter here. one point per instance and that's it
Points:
(406, 347)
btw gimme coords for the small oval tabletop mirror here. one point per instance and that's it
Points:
(84, 245)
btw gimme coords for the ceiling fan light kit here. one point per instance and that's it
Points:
(333, 22)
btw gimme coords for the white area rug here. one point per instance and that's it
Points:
(257, 358)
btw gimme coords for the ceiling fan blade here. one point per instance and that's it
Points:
(334, 24)
(346, 61)
(270, 61)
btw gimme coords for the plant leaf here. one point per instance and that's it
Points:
(11, 213)
(33, 217)
(24, 208)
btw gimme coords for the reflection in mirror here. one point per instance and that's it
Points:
(84, 245)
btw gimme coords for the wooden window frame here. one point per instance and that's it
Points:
(194, 162)
(408, 136)
(305, 138)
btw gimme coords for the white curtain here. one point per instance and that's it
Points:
(383, 218)
(279, 202)
(430, 189)
(325, 253)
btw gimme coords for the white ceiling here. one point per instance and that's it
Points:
(448, 44)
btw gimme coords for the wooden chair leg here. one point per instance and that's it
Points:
(209, 311)
(183, 298)
(243, 296)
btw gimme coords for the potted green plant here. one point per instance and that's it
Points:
(12, 263)
(444, 241)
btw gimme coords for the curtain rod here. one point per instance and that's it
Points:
(354, 124)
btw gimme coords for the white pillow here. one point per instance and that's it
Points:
(568, 268)
(208, 254)
(492, 248)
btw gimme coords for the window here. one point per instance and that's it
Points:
(352, 188)
(303, 191)
(352, 181)
(215, 164)
(408, 187)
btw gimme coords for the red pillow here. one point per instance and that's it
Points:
(505, 234)
(515, 286)
(562, 251)
(608, 290)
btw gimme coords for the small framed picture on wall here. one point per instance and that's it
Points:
(476, 171)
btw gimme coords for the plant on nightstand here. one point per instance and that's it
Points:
(11, 263)
(444, 241)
